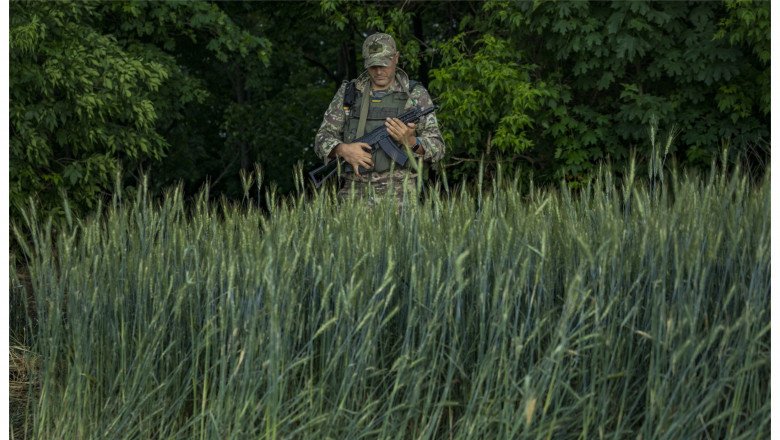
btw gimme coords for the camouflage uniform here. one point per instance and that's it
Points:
(331, 131)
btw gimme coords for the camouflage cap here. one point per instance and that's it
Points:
(378, 50)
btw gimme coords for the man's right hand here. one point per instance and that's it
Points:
(357, 154)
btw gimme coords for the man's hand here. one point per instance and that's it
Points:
(405, 134)
(357, 154)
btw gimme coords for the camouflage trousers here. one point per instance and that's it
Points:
(401, 185)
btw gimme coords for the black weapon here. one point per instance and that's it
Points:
(377, 138)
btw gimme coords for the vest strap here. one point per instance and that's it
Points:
(364, 112)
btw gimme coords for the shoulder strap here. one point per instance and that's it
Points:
(364, 112)
(412, 85)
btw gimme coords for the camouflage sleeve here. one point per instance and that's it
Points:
(329, 133)
(428, 133)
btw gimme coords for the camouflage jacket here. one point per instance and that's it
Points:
(331, 130)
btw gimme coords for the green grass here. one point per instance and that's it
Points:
(616, 311)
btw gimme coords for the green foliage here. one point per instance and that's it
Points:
(604, 70)
(487, 97)
(365, 18)
(89, 97)
(747, 25)
(81, 104)
(275, 108)
(191, 92)
(209, 51)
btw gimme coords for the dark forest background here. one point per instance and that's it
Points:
(195, 92)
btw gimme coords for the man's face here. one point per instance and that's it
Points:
(382, 76)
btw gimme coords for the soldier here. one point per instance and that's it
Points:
(389, 92)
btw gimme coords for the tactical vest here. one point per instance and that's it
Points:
(389, 106)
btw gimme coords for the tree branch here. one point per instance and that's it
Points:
(224, 172)
(460, 160)
(324, 68)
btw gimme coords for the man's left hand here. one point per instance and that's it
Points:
(405, 134)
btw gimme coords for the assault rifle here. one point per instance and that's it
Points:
(378, 138)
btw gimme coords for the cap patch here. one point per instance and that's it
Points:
(374, 48)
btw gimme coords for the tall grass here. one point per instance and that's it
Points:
(617, 311)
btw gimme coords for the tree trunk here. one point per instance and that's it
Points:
(348, 56)
(239, 90)
(417, 26)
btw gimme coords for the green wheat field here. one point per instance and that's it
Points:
(627, 308)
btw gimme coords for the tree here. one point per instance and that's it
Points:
(488, 98)
(191, 91)
(610, 70)
(99, 87)
(81, 104)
